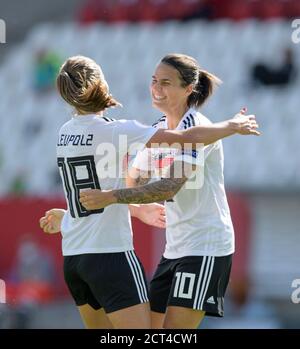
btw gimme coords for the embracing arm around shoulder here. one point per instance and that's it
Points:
(161, 190)
(206, 134)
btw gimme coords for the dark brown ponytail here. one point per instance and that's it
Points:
(203, 88)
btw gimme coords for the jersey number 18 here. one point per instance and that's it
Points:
(73, 185)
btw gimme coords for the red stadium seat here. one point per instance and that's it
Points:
(270, 9)
(292, 9)
(239, 10)
(149, 11)
(88, 13)
(94, 10)
(118, 13)
(181, 8)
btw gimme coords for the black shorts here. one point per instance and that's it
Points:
(192, 282)
(110, 280)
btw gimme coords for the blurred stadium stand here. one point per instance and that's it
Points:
(161, 10)
(224, 48)
(262, 174)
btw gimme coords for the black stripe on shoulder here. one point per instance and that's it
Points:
(193, 119)
(189, 121)
(185, 124)
(108, 119)
(163, 118)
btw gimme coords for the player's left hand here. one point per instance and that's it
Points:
(152, 214)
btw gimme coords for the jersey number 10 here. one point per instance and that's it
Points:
(73, 185)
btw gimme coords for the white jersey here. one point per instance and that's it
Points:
(198, 220)
(87, 160)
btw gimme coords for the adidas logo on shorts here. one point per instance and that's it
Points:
(211, 300)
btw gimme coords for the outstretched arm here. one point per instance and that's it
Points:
(161, 190)
(206, 134)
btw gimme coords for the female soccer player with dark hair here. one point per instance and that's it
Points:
(192, 276)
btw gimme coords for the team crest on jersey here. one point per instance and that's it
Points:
(191, 152)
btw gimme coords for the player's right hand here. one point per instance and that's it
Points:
(51, 222)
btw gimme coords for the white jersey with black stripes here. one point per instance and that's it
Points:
(198, 218)
(90, 154)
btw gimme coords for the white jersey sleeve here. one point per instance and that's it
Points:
(131, 135)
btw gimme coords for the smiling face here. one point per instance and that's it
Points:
(167, 91)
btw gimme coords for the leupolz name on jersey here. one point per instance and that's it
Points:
(82, 140)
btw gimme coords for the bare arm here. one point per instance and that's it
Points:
(206, 134)
(161, 190)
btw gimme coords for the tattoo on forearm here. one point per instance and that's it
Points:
(161, 190)
(142, 181)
